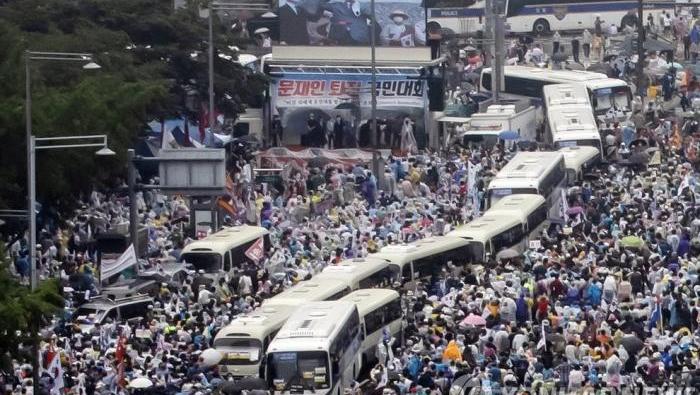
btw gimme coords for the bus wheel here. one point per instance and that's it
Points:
(540, 26)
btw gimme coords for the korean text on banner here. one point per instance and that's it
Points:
(125, 261)
(256, 252)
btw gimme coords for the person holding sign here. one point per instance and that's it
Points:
(398, 33)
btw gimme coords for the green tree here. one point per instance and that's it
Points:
(21, 310)
(150, 54)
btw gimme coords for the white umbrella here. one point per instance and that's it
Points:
(140, 382)
(210, 357)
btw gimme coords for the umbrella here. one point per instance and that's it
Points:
(508, 253)
(210, 357)
(140, 382)
(348, 105)
(509, 135)
(632, 242)
(475, 320)
(632, 344)
(575, 210)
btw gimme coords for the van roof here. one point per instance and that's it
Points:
(575, 157)
(360, 267)
(529, 165)
(312, 326)
(368, 300)
(521, 205)
(483, 228)
(253, 323)
(403, 253)
(225, 239)
(312, 290)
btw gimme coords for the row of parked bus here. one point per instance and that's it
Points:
(306, 339)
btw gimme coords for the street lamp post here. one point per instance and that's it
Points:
(239, 5)
(28, 57)
(35, 143)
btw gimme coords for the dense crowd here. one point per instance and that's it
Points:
(610, 299)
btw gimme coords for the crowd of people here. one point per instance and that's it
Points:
(609, 299)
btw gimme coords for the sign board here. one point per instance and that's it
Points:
(399, 23)
(193, 171)
(535, 244)
(256, 252)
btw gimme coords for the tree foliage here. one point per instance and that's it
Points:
(151, 56)
(22, 309)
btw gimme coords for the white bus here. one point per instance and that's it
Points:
(313, 290)
(317, 351)
(542, 16)
(570, 119)
(456, 16)
(541, 173)
(539, 16)
(379, 309)
(490, 234)
(224, 250)
(425, 258)
(510, 223)
(529, 208)
(604, 93)
(243, 341)
(577, 160)
(359, 273)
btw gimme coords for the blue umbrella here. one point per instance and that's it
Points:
(509, 135)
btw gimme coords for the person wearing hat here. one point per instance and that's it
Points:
(262, 37)
(398, 33)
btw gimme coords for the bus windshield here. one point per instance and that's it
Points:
(481, 140)
(607, 98)
(238, 351)
(579, 143)
(308, 369)
(209, 262)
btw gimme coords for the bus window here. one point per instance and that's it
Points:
(537, 217)
(227, 261)
(508, 238)
(429, 266)
(374, 321)
(379, 279)
(406, 273)
(209, 262)
(339, 295)
(486, 81)
(524, 86)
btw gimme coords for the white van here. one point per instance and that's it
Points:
(224, 250)
(244, 341)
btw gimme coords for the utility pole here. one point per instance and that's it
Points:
(640, 43)
(211, 68)
(133, 209)
(499, 45)
(373, 47)
(494, 32)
